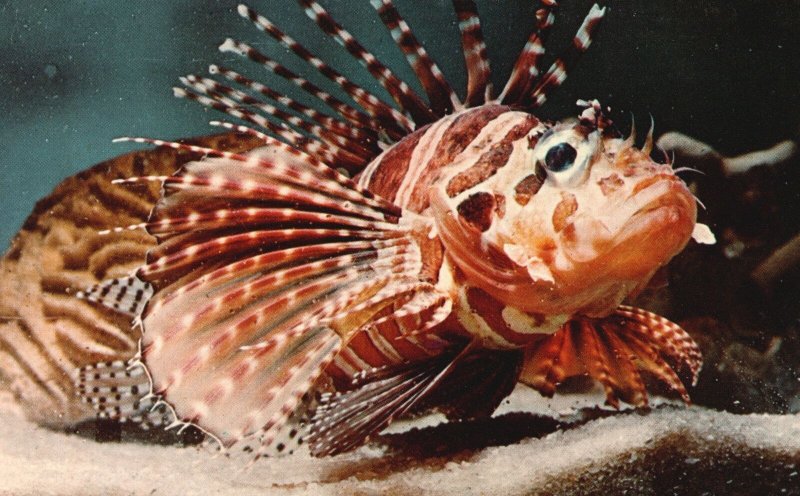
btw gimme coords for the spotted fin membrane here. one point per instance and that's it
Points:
(125, 295)
(269, 263)
(118, 391)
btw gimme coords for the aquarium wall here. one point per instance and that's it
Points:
(75, 75)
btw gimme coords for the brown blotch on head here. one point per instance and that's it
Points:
(491, 160)
(565, 208)
(500, 205)
(610, 184)
(485, 167)
(477, 210)
(527, 188)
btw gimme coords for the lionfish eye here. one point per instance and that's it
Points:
(560, 157)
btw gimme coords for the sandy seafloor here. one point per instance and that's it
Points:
(79, 75)
(668, 451)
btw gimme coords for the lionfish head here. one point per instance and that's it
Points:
(587, 218)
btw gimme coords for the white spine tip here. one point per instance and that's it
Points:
(228, 46)
(121, 139)
(178, 92)
(243, 9)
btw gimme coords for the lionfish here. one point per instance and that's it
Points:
(372, 261)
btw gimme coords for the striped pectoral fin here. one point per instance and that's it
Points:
(126, 295)
(619, 351)
(120, 390)
(265, 266)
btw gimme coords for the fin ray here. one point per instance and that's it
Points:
(479, 85)
(264, 267)
(614, 351)
(443, 99)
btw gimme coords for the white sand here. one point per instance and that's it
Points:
(37, 461)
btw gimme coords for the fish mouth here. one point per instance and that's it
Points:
(664, 205)
(657, 230)
(635, 238)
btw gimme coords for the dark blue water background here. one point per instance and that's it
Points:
(76, 74)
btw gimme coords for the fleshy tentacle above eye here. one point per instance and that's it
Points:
(265, 268)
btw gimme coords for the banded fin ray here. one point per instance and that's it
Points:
(479, 85)
(334, 124)
(409, 102)
(325, 151)
(346, 111)
(526, 68)
(557, 72)
(336, 137)
(126, 295)
(441, 96)
(396, 123)
(616, 350)
(267, 264)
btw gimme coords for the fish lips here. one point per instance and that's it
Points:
(637, 237)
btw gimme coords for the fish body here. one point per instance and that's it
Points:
(387, 260)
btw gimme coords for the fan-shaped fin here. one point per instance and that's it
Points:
(614, 351)
(675, 343)
(266, 264)
(345, 420)
(478, 384)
